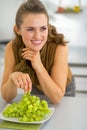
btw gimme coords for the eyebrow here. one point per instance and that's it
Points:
(35, 27)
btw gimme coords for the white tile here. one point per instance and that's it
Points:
(81, 84)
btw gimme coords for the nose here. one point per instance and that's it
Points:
(37, 34)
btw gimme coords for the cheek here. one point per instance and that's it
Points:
(26, 37)
(25, 40)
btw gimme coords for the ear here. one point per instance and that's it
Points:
(17, 30)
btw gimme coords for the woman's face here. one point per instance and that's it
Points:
(34, 31)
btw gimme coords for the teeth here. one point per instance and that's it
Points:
(36, 42)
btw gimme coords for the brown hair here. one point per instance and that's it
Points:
(36, 7)
(31, 6)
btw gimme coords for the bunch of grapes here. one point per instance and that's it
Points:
(29, 109)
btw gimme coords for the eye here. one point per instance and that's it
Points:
(30, 29)
(43, 28)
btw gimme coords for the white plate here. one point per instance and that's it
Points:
(46, 118)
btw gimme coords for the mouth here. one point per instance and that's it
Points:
(36, 42)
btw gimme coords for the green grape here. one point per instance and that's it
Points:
(5, 114)
(29, 109)
(31, 120)
(34, 109)
(15, 109)
(24, 119)
(10, 110)
(12, 115)
(16, 115)
(21, 113)
(39, 118)
(28, 102)
(44, 103)
(30, 106)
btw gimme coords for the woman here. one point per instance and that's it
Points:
(37, 58)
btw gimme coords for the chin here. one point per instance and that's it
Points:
(38, 48)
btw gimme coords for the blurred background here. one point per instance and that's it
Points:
(70, 18)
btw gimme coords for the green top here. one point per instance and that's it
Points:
(47, 57)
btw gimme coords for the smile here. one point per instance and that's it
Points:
(36, 42)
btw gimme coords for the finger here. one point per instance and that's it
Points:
(26, 56)
(29, 82)
(25, 49)
(24, 53)
(28, 52)
(26, 89)
(21, 85)
(25, 85)
(29, 85)
(17, 83)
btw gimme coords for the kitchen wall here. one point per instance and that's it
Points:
(68, 24)
(8, 10)
(72, 25)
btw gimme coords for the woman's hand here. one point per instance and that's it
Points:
(33, 56)
(21, 80)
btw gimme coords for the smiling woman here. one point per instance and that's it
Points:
(34, 31)
(38, 56)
